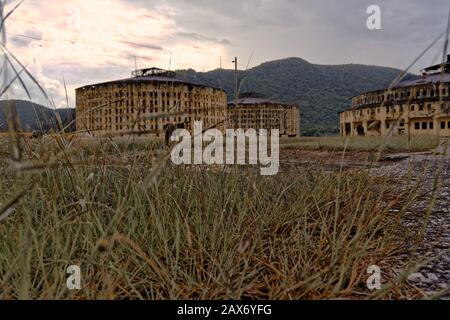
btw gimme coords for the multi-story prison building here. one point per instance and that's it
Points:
(419, 106)
(256, 112)
(151, 102)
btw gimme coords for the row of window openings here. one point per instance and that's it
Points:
(430, 125)
(423, 125)
(123, 119)
(119, 127)
(151, 95)
(402, 95)
(401, 109)
(155, 103)
(132, 111)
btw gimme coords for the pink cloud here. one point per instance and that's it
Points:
(96, 35)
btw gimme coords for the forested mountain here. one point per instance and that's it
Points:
(321, 91)
(35, 117)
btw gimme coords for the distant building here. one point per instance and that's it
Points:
(412, 107)
(151, 102)
(257, 112)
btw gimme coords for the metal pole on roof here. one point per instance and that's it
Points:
(236, 94)
(235, 79)
(170, 61)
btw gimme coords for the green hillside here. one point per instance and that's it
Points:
(35, 117)
(321, 91)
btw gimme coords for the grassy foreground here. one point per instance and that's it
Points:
(141, 228)
(397, 143)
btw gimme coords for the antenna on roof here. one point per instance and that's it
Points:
(447, 34)
(249, 61)
(170, 61)
(135, 63)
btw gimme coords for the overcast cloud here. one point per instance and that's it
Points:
(85, 41)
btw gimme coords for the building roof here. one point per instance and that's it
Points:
(439, 73)
(440, 66)
(151, 75)
(252, 98)
(252, 101)
(426, 79)
(430, 75)
(257, 101)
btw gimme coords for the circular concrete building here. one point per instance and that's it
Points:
(152, 101)
(418, 106)
(254, 111)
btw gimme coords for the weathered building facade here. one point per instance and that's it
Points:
(255, 112)
(151, 102)
(420, 106)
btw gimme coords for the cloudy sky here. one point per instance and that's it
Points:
(86, 41)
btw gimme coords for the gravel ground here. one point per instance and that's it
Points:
(412, 169)
(433, 277)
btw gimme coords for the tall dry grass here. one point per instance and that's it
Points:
(187, 233)
(391, 144)
(141, 228)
